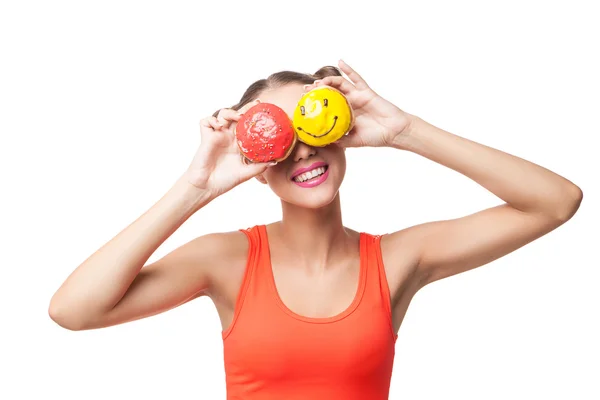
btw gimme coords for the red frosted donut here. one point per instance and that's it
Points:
(265, 133)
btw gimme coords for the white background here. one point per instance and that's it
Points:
(99, 111)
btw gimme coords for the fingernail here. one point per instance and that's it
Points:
(317, 81)
(306, 86)
(272, 163)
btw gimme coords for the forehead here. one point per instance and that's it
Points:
(286, 97)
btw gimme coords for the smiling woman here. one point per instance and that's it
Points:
(310, 308)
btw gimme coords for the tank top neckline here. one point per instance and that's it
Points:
(266, 254)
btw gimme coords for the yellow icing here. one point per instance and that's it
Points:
(322, 116)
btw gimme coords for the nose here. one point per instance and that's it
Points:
(303, 151)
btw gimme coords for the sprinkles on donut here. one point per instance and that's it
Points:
(265, 133)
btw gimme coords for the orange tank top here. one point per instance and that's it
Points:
(270, 352)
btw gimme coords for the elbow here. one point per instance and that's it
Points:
(571, 199)
(64, 317)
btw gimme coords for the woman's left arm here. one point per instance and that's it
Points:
(537, 201)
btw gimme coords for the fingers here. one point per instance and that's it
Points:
(252, 170)
(226, 116)
(348, 140)
(210, 123)
(337, 82)
(342, 84)
(358, 81)
(204, 123)
(258, 168)
(248, 106)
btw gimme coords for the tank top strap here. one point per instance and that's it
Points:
(252, 260)
(263, 262)
(378, 287)
(253, 236)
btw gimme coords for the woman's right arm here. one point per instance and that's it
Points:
(113, 286)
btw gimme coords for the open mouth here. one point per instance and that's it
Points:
(319, 136)
(312, 175)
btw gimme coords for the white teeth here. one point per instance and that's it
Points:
(310, 174)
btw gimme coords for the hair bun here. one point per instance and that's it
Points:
(328, 70)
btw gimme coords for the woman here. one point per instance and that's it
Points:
(310, 308)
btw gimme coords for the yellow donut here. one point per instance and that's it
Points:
(322, 116)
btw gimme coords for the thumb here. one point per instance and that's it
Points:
(253, 169)
(349, 140)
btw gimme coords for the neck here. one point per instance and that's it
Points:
(315, 238)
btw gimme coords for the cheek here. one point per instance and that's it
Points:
(341, 161)
(338, 153)
(274, 176)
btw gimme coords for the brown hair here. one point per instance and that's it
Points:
(279, 79)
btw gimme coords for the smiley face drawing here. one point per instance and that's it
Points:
(322, 116)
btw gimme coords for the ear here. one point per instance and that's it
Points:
(261, 179)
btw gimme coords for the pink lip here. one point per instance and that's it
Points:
(309, 168)
(316, 182)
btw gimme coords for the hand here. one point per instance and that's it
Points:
(217, 166)
(377, 121)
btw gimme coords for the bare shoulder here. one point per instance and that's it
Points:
(226, 246)
(229, 253)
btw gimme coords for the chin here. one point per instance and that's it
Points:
(312, 200)
(307, 196)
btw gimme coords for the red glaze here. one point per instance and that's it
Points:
(265, 133)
